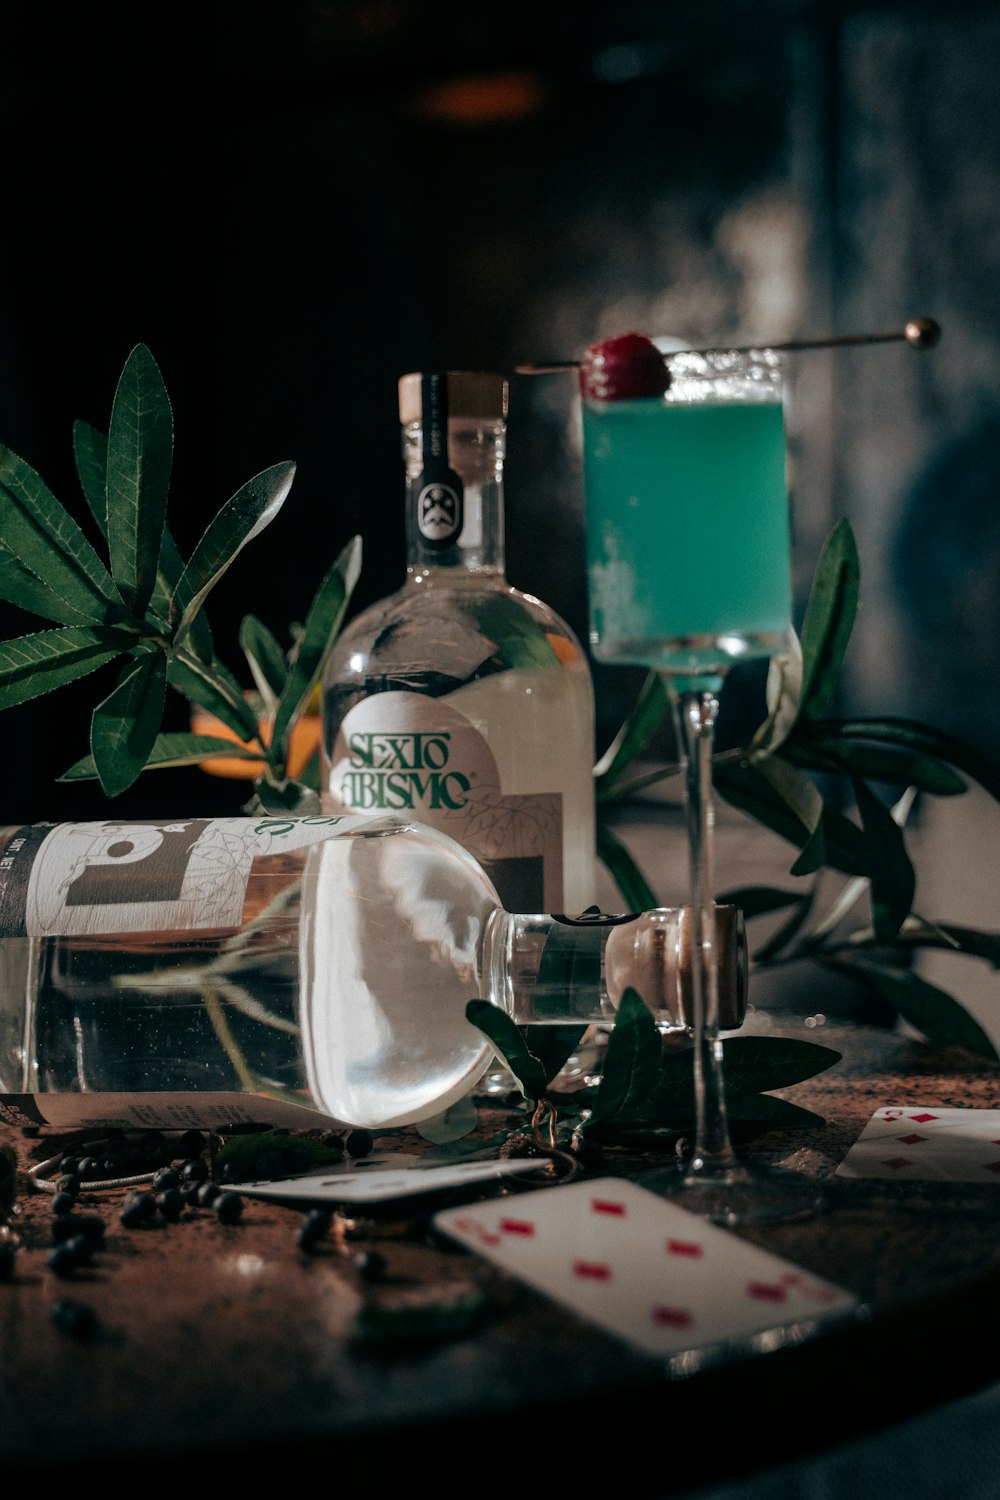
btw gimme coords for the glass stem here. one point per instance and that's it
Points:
(696, 709)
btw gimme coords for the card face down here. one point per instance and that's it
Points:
(926, 1144)
(664, 1280)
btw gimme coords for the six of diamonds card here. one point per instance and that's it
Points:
(645, 1270)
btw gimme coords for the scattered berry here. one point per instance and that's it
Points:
(75, 1318)
(63, 1203)
(138, 1210)
(68, 1182)
(163, 1178)
(313, 1227)
(370, 1265)
(359, 1142)
(623, 369)
(228, 1208)
(63, 1260)
(170, 1204)
(205, 1193)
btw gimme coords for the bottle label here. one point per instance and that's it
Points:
(440, 492)
(406, 753)
(149, 1111)
(110, 876)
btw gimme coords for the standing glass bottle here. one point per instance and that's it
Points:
(458, 700)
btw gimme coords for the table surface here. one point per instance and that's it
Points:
(230, 1346)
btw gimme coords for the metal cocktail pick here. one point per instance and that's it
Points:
(920, 333)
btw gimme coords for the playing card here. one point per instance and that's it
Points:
(645, 1270)
(366, 1185)
(920, 1143)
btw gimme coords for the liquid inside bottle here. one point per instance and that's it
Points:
(204, 970)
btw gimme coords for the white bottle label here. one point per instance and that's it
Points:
(110, 876)
(406, 753)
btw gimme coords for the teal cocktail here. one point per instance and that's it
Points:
(687, 529)
(687, 519)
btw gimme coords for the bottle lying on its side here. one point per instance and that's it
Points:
(291, 970)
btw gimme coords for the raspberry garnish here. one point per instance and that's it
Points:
(623, 368)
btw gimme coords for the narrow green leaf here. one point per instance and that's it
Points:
(323, 622)
(813, 853)
(508, 1042)
(890, 871)
(631, 1062)
(46, 539)
(266, 659)
(90, 449)
(758, 900)
(90, 454)
(169, 751)
(140, 450)
(758, 1064)
(830, 615)
(242, 517)
(741, 785)
(18, 585)
(124, 727)
(35, 664)
(874, 763)
(634, 888)
(924, 740)
(215, 688)
(931, 1010)
(951, 938)
(650, 708)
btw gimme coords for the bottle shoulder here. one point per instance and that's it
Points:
(464, 627)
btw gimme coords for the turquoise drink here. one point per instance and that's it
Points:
(687, 527)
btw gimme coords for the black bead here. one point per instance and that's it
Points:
(62, 1260)
(359, 1142)
(75, 1318)
(68, 1182)
(63, 1203)
(194, 1169)
(205, 1193)
(137, 1210)
(8, 1257)
(171, 1204)
(313, 1227)
(370, 1265)
(165, 1177)
(87, 1168)
(228, 1208)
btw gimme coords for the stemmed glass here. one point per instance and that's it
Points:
(687, 530)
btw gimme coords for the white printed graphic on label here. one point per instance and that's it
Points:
(407, 753)
(132, 876)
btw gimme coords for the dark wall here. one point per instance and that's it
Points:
(294, 204)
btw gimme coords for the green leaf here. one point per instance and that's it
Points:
(46, 539)
(830, 615)
(553, 1045)
(634, 735)
(742, 785)
(874, 763)
(90, 449)
(923, 739)
(140, 449)
(929, 1009)
(90, 454)
(758, 1064)
(124, 727)
(215, 688)
(972, 941)
(242, 517)
(323, 621)
(626, 874)
(497, 1025)
(18, 585)
(768, 1111)
(266, 659)
(631, 1062)
(35, 664)
(519, 641)
(169, 751)
(890, 871)
(757, 900)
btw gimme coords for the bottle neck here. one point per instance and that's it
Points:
(454, 502)
(549, 970)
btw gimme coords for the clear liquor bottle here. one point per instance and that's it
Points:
(460, 700)
(277, 970)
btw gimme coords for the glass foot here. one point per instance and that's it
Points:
(737, 1194)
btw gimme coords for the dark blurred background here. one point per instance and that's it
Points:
(293, 204)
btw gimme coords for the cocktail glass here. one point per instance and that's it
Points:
(688, 553)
